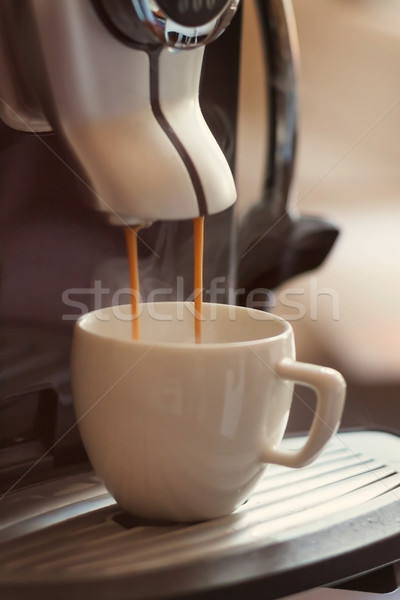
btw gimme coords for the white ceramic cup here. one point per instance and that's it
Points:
(183, 431)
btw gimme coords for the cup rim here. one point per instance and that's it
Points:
(82, 325)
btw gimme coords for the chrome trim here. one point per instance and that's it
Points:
(168, 32)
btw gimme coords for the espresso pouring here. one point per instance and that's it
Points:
(132, 249)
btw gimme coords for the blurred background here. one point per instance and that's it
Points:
(346, 313)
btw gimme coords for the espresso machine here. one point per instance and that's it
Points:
(125, 113)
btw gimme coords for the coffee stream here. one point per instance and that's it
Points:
(131, 242)
(198, 276)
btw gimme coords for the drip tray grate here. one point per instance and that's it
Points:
(342, 512)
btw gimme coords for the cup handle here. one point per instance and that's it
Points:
(330, 388)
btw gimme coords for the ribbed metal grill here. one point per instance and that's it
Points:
(77, 531)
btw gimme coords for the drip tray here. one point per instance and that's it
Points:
(300, 529)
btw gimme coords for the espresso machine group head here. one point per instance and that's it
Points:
(120, 82)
